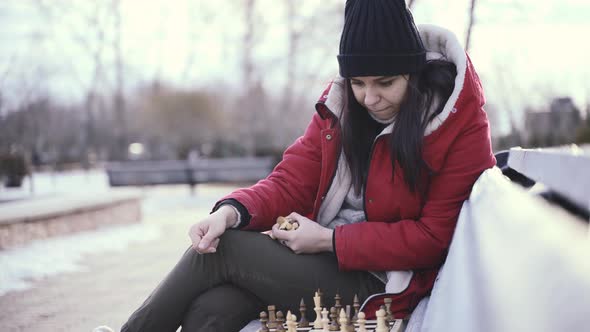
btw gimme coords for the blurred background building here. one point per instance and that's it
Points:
(557, 125)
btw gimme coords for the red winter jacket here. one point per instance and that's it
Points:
(403, 231)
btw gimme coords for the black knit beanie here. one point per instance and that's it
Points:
(379, 39)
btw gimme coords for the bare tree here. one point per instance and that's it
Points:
(96, 48)
(247, 103)
(198, 13)
(306, 60)
(303, 31)
(3, 76)
(119, 100)
(86, 27)
(161, 37)
(248, 43)
(293, 37)
(470, 24)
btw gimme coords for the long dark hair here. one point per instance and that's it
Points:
(433, 84)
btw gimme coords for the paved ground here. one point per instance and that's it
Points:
(113, 285)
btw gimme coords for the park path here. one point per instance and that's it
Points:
(111, 285)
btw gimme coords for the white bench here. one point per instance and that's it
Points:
(518, 262)
(203, 170)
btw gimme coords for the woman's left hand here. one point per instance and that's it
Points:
(309, 238)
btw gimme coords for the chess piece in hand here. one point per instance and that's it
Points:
(309, 238)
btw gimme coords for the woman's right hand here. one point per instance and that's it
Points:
(205, 234)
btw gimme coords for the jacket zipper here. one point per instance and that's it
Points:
(367, 177)
(331, 180)
(323, 197)
(334, 121)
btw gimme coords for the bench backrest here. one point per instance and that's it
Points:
(184, 172)
(517, 262)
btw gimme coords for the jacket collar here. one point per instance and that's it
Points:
(440, 43)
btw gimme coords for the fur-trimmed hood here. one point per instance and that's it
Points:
(440, 43)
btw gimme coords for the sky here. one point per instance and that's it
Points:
(521, 49)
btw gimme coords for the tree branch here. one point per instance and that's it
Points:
(471, 23)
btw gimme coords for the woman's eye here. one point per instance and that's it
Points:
(386, 84)
(357, 83)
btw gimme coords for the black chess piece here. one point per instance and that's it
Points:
(303, 322)
(272, 318)
(334, 326)
(263, 321)
(356, 305)
(280, 321)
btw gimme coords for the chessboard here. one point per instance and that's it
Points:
(398, 325)
(338, 318)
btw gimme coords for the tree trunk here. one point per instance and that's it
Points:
(248, 43)
(470, 26)
(290, 82)
(248, 105)
(121, 140)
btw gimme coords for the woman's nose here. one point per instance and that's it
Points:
(371, 97)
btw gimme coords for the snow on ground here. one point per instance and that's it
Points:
(20, 267)
(43, 184)
(44, 258)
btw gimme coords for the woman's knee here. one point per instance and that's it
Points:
(244, 243)
(222, 308)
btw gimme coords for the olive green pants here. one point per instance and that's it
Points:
(225, 290)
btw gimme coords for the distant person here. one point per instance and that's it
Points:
(376, 184)
(193, 157)
(36, 159)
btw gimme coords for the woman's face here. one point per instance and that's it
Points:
(380, 95)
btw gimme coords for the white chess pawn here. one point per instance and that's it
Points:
(325, 320)
(361, 321)
(291, 323)
(287, 320)
(381, 324)
(343, 321)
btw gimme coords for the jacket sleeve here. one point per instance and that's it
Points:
(292, 185)
(423, 243)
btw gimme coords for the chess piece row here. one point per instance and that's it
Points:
(329, 323)
(336, 319)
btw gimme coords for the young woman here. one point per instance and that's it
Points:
(376, 184)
